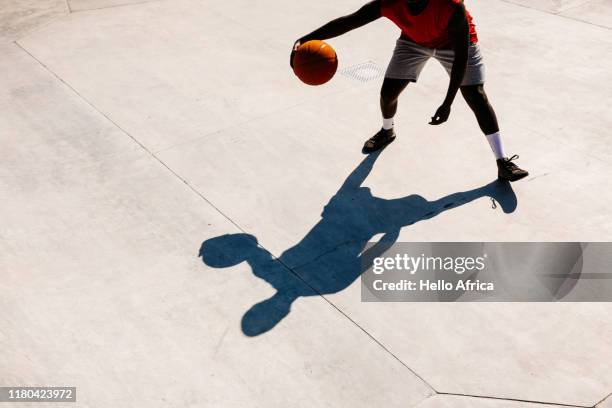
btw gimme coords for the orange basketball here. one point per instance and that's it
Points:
(315, 62)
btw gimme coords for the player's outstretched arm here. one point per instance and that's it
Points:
(366, 14)
(460, 41)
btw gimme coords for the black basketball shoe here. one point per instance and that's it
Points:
(506, 170)
(378, 141)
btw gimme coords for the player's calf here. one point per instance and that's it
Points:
(389, 95)
(477, 99)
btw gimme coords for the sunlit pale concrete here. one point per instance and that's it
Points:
(133, 132)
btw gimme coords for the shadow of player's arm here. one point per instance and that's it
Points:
(358, 176)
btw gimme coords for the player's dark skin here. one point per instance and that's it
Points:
(458, 28)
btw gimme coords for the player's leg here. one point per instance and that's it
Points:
(406, 64)
(389, 95)
(477, 99)
(473, 91)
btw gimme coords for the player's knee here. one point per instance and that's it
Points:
(475, 95)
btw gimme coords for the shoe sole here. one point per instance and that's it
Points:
(513, 179)
(387, 143)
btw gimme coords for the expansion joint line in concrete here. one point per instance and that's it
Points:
(484, 397)
(603, 400)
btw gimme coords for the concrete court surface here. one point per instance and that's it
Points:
(132, 133)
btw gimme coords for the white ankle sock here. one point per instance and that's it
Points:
(387, 123)
(496, 145)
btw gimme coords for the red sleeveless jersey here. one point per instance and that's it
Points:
(430, 28)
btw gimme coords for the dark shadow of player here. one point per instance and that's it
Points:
(331, 256)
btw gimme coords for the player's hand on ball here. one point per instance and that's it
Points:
(314, 62)
(296, 45)
(441, 115)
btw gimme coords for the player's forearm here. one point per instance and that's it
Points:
(460, 41)
(457, 74)
(334, 28)
(366, 14)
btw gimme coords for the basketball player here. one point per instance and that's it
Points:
(442, 29)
